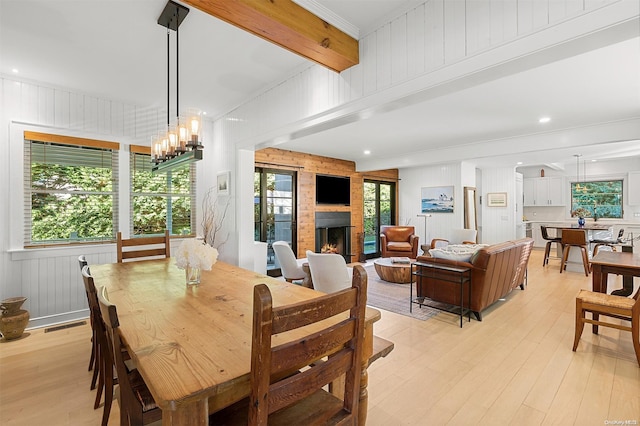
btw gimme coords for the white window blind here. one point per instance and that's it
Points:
(70, 189)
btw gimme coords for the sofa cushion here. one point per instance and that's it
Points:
(399, 246)
(458, 252)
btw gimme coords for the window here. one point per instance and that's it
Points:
(597, 199)
(163, 200)
(70, 189)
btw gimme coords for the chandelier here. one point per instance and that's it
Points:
(180, 143)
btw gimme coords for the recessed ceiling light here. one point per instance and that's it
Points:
(15, 71)
(593, 161)
(367, 152)
(544, 120)
(519, 163)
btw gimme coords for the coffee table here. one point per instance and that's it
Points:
(399, 273)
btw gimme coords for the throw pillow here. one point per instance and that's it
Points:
(458, 252)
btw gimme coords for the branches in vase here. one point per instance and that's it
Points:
(213, 216)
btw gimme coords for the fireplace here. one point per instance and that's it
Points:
(333, 233)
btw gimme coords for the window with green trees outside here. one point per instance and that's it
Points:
(597, 199)
(70, 192)
(161, 200)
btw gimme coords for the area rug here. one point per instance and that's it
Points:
(393, 297)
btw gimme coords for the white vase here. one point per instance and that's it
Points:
(193, 275)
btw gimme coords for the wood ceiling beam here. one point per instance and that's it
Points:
(288, 25)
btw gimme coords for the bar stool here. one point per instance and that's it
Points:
(575, 238)
(550, 240)
(608, 243)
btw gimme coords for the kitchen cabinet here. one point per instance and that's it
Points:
(633, 189)
(544, 192)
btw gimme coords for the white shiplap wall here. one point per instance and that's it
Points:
(50, 278)
(427, 38)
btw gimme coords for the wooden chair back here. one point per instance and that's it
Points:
(143, 247)
(103, 353)
(574, 237)
(546, 236)
(341, 342)
(137, 406)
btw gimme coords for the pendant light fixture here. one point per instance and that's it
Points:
(578, 186)
(180, 143)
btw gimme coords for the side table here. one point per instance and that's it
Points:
(449, 273)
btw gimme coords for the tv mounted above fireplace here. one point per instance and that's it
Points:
(333, 190)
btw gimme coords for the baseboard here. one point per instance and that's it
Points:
(50, 320)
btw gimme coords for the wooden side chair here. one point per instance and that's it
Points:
(300, 398)
(143, 247)
(550, 240)
(93, 363)
(104, 360)
(137, 406)
(575, 238)
(612, 306)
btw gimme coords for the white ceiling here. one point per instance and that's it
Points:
(115, 49)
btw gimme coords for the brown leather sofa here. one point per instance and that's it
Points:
(398, 241)
(495, 271)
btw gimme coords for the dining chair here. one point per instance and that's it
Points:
(137, 406)
(620, 307)
(93, 363)
(607, 243)
(329, 272)
(143, 247)
(574, 238)
(288, 378)
(104, 360)
(290, 266)
(550, 240)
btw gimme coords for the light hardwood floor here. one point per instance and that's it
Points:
(514, 367)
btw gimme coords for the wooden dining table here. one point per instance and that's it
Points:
(192, 344)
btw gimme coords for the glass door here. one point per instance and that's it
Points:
(274, 211)
(379, 209)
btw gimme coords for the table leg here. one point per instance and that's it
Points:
(192, 413)
(627, 280)
(596, 279)
(599, 280)
(363, 404)
(367, 351)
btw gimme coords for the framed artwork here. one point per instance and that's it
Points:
(223, 183)
(496, 199)
(437, 199)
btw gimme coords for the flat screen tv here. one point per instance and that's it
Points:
(333, 190)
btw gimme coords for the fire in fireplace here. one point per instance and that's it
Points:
(329, 248)
(333, 233)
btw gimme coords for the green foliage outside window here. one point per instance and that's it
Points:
(597, 199)
(371, 212)
(158, 198)
(70, 202)
(71, 193)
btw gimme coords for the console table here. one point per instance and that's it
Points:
(455, 274)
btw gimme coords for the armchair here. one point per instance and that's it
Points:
(398, 241)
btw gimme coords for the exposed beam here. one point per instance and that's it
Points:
(288, 25)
